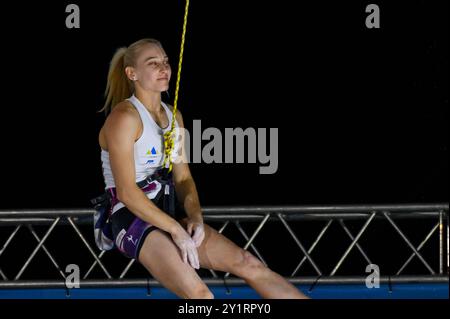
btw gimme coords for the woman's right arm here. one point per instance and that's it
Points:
(121, 130)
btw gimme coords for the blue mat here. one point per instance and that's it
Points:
(395, 291)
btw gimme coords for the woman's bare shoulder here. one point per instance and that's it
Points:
(123, 117)
(124, 107)
(123, 113)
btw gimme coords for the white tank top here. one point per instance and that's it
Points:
(148, 149)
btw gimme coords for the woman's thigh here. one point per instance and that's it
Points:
(162, 258)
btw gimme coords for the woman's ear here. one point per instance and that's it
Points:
(131, 75)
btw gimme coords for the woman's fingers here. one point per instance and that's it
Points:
(184, 254)
(198, 237)
(188, 249)
(193, 257)
(189, 229)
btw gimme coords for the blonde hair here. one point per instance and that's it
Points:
(118, 86)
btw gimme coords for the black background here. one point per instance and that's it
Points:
(362, 113)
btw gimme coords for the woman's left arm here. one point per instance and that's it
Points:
(185, 188)
(186, 191)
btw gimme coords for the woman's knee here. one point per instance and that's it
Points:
(248, 266)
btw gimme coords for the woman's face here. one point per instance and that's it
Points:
(152, 70)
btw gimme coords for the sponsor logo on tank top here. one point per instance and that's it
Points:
(153, 154)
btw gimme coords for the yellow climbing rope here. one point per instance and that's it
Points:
(168, 136)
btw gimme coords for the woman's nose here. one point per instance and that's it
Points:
(164, 66)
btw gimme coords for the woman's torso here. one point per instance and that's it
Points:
(148, 146)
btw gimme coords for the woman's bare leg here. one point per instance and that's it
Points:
(160, 256)
(219, 253)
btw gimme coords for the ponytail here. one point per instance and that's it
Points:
(118, 86)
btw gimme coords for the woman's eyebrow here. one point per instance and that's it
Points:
(154, 57)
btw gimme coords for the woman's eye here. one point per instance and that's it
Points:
(156, 64)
